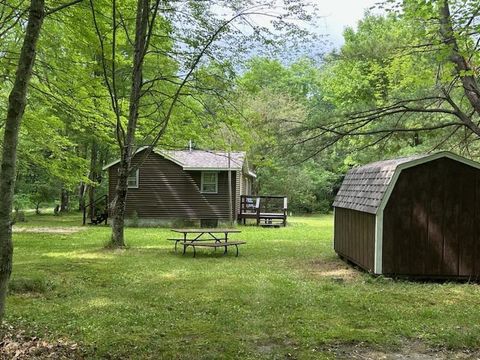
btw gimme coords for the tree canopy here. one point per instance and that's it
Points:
(394, 87)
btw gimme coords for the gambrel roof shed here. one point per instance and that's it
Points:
(412, 216)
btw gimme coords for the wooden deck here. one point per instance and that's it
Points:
(268, 211)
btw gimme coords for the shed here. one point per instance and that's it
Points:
(416, 216)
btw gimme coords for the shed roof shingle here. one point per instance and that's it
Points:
(364, 187)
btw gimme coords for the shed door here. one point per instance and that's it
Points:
(432, 221)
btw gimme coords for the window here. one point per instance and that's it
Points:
(133, 180)
(209, 182)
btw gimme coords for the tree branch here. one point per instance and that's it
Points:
(61, 7)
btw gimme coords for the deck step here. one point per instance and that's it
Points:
(271, 225)
(98, 219)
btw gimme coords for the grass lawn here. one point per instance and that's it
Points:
(286, 295)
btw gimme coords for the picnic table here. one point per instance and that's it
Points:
(212, 238)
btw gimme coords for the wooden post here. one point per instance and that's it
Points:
(257, 205)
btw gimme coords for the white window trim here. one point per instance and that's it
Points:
(137, 180)
(216, 182)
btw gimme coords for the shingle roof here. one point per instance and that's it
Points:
(204, 160)
(201, 159)
(364, 187)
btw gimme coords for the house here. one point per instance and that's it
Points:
(184, 186)
(417, 216)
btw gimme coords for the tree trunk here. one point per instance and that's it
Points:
(64, 200)
(16, 107)
(82, 187)
(81, 196)
(118, 204)
(464, 71)
(93, 178)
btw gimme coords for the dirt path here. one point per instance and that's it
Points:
(48, 230)
(413, 350)
(334, 269)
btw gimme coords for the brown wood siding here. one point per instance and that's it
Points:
(354, 237)
(218, 201)
(238, 186)
(166, 191)
(431, 221)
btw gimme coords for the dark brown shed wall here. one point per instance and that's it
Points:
(354, 237)
(166, 191)
(431, 221)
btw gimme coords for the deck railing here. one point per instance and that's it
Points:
(263, 207)
(99, 204)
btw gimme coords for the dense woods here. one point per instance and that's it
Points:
(87, 82)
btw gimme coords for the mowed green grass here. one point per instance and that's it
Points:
(279, 298)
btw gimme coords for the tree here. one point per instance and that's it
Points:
(407, 78)
(274, 99)
(15, 110)
(158, 86)
(146, 16)
(35, 185)
(16, 107)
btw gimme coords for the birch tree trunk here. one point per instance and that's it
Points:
(15, 110)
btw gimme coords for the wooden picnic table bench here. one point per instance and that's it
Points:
(215, 245)
(215, 238)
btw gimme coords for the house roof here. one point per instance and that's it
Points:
(201, 159)
(205, 160)
(367, 187)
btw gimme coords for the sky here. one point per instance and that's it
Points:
(338, 14)
(331, 19)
